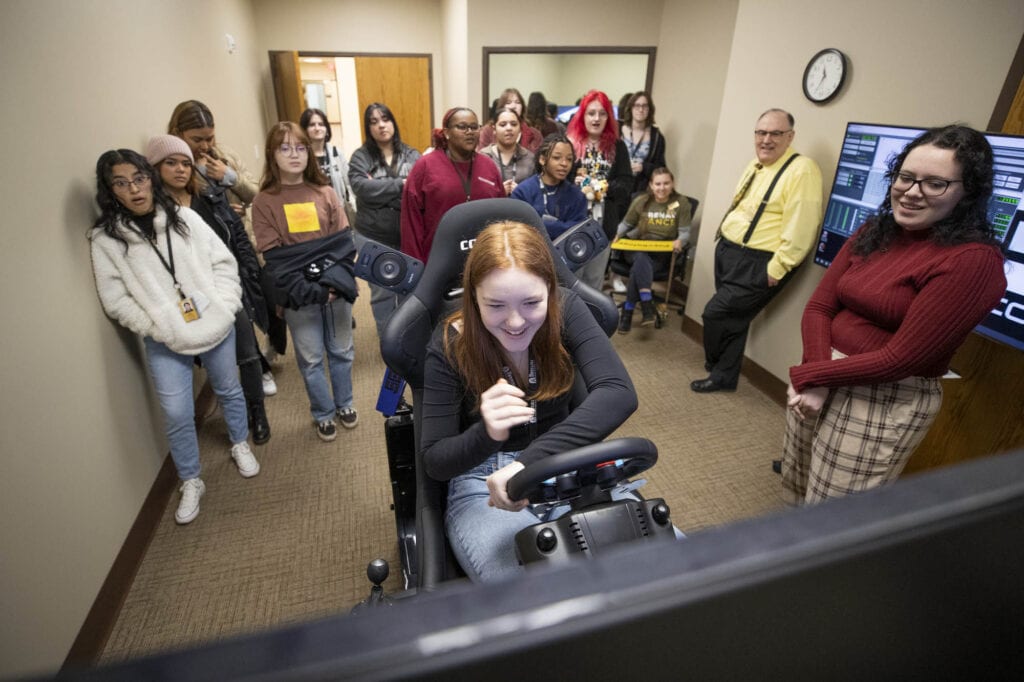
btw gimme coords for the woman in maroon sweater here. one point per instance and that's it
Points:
(453, 173)
(886, 318)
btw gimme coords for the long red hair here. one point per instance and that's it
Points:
(577, 128)
(478, 356)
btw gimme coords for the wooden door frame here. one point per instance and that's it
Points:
(1014, 82)
(417, 55)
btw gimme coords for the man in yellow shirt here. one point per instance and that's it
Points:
(767, 232)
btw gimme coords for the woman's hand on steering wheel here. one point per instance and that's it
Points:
(497, 482)
(502, 407)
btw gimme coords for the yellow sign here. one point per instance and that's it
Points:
(652, 245)
(302, 217)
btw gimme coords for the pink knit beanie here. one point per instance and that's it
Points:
(162, 146)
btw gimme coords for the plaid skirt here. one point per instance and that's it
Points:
(862, 438)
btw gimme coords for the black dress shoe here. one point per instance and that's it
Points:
(709, 385)
(777, 466)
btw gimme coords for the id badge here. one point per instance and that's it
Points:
(188, 309)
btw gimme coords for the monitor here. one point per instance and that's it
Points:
(921, 579)
(859, 188)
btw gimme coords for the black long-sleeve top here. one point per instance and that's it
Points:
(453, 436)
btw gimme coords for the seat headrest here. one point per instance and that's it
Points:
(406, 335)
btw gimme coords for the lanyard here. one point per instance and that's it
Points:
(168, 262)
(531, 389)
(548, 196)
(467, 180)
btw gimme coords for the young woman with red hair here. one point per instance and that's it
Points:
(602, 157)
(498, 378)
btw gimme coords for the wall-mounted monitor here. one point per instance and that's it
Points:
(859, 188)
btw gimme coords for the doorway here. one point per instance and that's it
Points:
(345, 84)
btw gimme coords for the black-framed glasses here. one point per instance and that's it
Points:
(139, 180)
(930, 187)
(287, 149)
(466, 127)
(774, 134)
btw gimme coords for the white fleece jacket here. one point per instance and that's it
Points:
(137, 291)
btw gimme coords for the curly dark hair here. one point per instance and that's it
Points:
(113, 215)
(968, 221)
(544, 151)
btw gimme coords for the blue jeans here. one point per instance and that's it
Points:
(172, 378)
(318, 330)
(483, 537)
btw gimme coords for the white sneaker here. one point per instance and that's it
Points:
(269, 385)
(245, 460)
(618, 285)
(188, 506)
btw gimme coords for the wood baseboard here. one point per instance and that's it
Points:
(758, 376)
(99, 622)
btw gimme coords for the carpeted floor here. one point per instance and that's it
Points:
(293, 543)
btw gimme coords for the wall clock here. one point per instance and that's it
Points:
(825, 75)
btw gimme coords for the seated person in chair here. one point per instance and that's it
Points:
(660, 213)
(498, 378)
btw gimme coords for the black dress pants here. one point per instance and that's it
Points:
(741, 292)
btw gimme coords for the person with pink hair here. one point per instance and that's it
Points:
(602, 163)
(453, 173)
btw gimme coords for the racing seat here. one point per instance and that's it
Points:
(403, 346)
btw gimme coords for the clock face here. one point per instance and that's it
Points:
(824, 75)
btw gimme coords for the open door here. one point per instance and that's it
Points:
(403, 83)
(284, 72)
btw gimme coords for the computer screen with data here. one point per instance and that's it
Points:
(860, 186)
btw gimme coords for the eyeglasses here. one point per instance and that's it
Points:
(287, 149)
(466, 127)
(139, 180)
(774, 134)
(930, 187)
(640, 105)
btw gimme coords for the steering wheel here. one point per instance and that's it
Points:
(607, 464)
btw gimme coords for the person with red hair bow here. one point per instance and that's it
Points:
(453, 174)
(602, 169)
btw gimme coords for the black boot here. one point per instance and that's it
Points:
(625, 321)
(259, 427)
(647, 308)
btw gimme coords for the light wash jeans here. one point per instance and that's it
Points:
(172, 377)
(483, 537)
(318, 330)
(382, 301)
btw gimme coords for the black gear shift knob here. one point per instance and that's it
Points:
(377, 571)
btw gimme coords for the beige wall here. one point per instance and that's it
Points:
(919, 63)
(387, 26)
(80, 436)
(689, 78)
